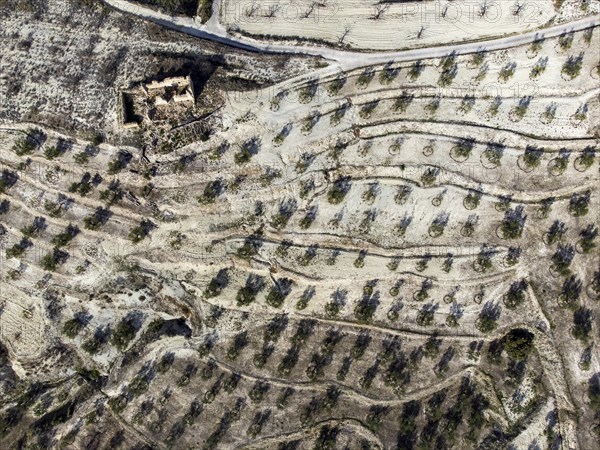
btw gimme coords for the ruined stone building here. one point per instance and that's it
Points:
(171, 99)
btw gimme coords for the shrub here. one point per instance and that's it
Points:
(488, 317)
(587, 157)
(289, 361)
(515, 295)
(366, 307)
(371, 192)
(114, 194)
(279, 291)
(582, 323)
(39, 224)
(403, 225)
(338, 190)
(467, 104)
(165, 363)
(367, 109)
(507, 71)
(125, 331)
(97, 219)
(539, 67)
(359, 262)
(72, 327)
(494, 152)
(588, 236)
(447, 264)
(429, 176)
(565, 40)
(518, 343)
(217, 284)
(494, 107)
(335, 86)
(62, 239)
(594, 391)
(51, 152)
(121, 161)
(18, 249)
(514, 222)
(258, 391)
(85, 186)
(432, 107)
(211, 191)
(483, 262)
(278, 140)
(365, 77)
(137, 234)
(415, 70)
(283, 399)
(423, 293)
(556, 232)
(449, 70)
(595, 284)
(308, 256)
(439, 224)
(426, 315)
(7, 180)
(239, 342)
(308, 293)
(402, 194)
(478, 58)
(388, 73)
(247, 150)
(464, 147)
(204, 10)
(95, 343)
(521, 109)
(579, 204)
(562, 258)
(572, 66)
(4, 206)
(472, 199)
(512, 256)
(309, 217)
(304, 162)
(338, 300)
(423, 263)
(251, 245)
(307, 93)
(571, 290)
(25, 145)
(285, 211)
(275, 328)
(545, 207)
(247, 294)
(403, 102)
(338, 114)
(81, 157)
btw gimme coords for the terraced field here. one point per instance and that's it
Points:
(397, 255)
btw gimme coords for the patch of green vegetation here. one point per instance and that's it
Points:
(204, 10)
(72, 327)
(217, 284)
(123, 333)
(118, 404)
(594, 391)
(403, 102)
(137, 234)
(518, 343)
(24, 146)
